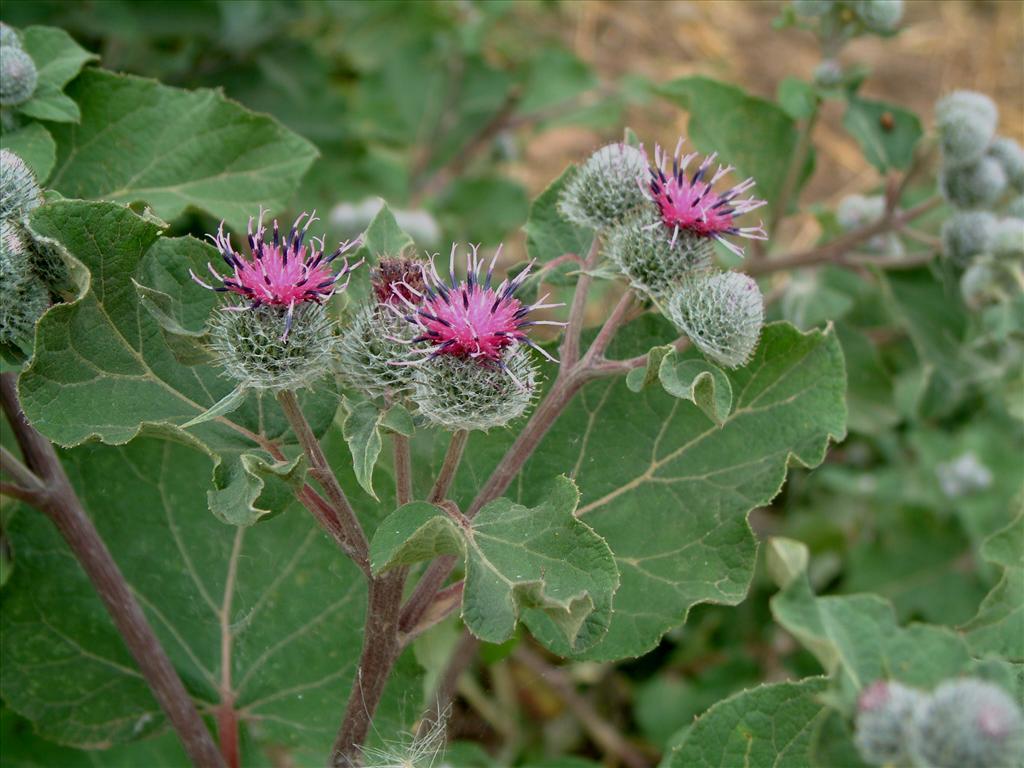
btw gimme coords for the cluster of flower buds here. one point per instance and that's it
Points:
(963, 723)
(858, 211)
(18, 73)
(980, 170)
(280, 335)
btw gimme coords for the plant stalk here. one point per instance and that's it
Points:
(449, 466)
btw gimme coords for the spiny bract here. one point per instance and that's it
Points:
(18, 76)
(885, 715)
(967, 234)
(975, 185)
(967, 124)
(19, 192)
(722, 315)
(605, 188)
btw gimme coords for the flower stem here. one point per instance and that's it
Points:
(449, 466)
(49, 490)
(324, 475)
(403, 468)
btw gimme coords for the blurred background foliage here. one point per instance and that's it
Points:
(458, 113)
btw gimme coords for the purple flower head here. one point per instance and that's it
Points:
(472, 319)
(690, 204)
(281, 272)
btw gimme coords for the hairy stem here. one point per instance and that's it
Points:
(449, 466)
(403, 468)
(324, 475)
(52, 493)
(570, 348)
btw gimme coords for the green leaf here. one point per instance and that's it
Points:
(227, 404)
(887, 134)
(870, 397)
(362, 433)
(398, 420)
(553, 77)
(174, 149)
(240, 495)
(669, 489)
(548, 235)
(58, 60)
(383, 238)
(272, 609)
(700, 382)
(797, 97)
(640, 378)
(857, 640)
(189, 347)
(484, 208)
(539, 564)
(998, 627)
(35, 146)
(772, 725)
(754, 135)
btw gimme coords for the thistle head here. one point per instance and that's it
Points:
(1008, 239)
(879, 15)
(23, 297)
(966, 235)
(283, 273)
(464, 393)
(967, 124)
(605, 188)
(885, 715)
(828, 74)
(471, 319)
(975, 185)
(368, 349)
(649, 257)
(691, 205)
(1010, 155)
(980, 285)
(9, 36)
(18, 76)
(247, 343)
(395, 279)
(855, 211)
(968, 723)
(19, 192)
(722, 314)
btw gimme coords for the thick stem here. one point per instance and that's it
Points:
(321, 470)
(403, 468)
(449, 466)
(57, 499)
(380, 651)
(609, 329)
(570, 348)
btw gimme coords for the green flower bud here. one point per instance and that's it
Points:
(251, 346)
(812, 7)
(462, 393)
(980, 284)
(1008, 239)
(23, 298)
(722, 315)
(368, 349)
(968, 724)
(8, 36)
(19, 192)
(976, 185)
(879, 15)
(18, 76)
(643, 250)
(1009, 154)
(828, 74)
(885, 716)
(605, 188)
(967, 124)
(967, 234)
(856, 211)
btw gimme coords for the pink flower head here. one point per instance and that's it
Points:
(470, 318)
(396, 279)
(279, 272)
(691, 205)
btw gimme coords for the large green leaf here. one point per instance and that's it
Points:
(773, 726)
(58, 59)
(175, 149)
(103, 367)
(35, 146)
(753, 134)
(887, 134)
(669, 489)
(267, 617)
(998, 627)
(548, 234)
(540, 563)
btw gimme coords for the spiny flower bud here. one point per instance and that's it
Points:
(968, 723)
(967, 124)
(856, 211)
(249, 345)
(462, 393)
(879, 15)
(18, 76)
(963, 475)
(721, 314)
(606, 188)
(8, 36)
(646, 254)
(378, 336)
(23, 298)
(967, 234)
(1008, 239)
(1009, 154)
(980, 285)
(691, 205)
(281, 273)
(812, 7)
(975, 185)
(885, 715)
(828, 74)
(19, 192)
